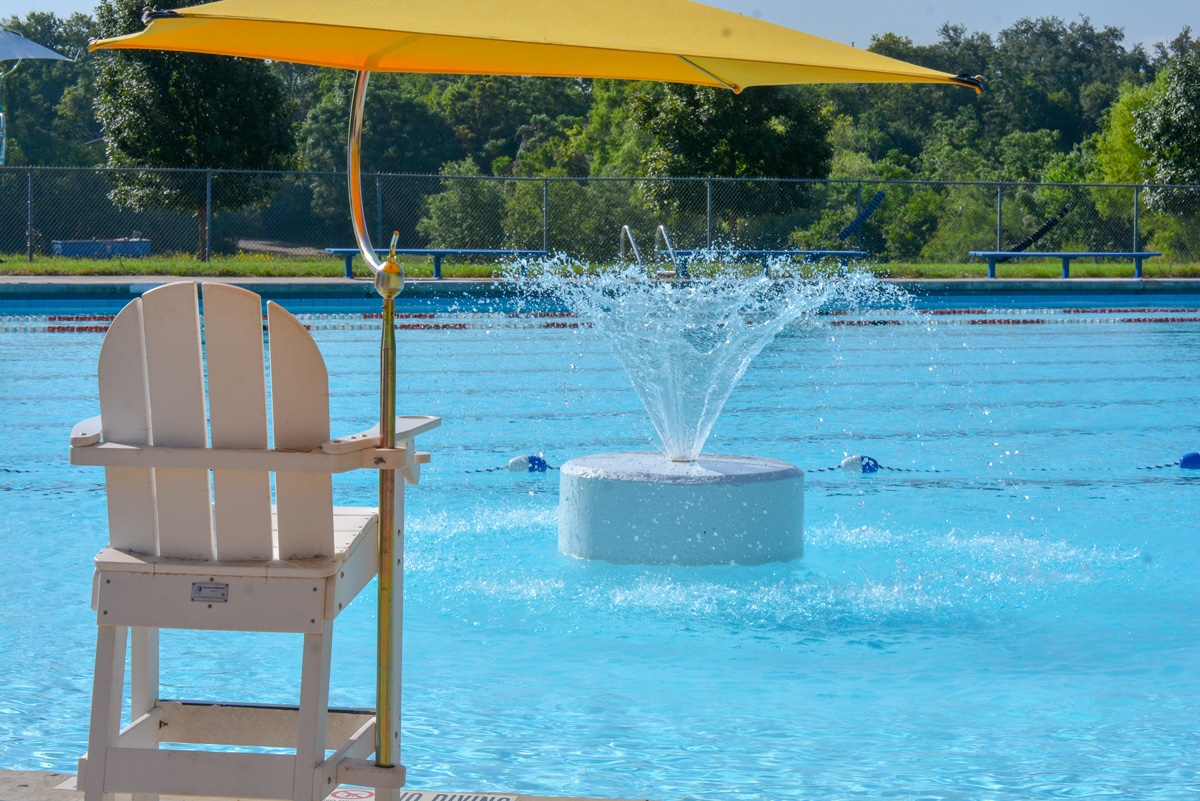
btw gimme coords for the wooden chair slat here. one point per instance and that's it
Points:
(300, 417)
(125, 411)
(171, 320)
(237, 404)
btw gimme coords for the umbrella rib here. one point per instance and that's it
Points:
(730, 86)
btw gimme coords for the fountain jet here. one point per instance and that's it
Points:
(685, 345)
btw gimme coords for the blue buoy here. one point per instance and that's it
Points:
(860, 464)
(528, 464)
(1190, 461)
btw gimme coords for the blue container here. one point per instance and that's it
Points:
(100, 248)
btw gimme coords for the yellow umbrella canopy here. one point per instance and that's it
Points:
(660, 40)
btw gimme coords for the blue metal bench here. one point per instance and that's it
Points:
(438, 254)
(765, 256)
(994, 256)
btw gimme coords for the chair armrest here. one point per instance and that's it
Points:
(112, 454)
(87, 432)
(336, 456)
(407, 427)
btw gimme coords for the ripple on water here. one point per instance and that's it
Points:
(856, 578)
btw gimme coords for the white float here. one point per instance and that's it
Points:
(644, 508)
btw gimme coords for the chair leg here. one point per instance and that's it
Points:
(105, 726)
(397, 568)
(314, 710)
(143, 681)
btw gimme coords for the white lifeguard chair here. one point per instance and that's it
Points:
(189, 553)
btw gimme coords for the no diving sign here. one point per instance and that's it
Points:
(348, 794)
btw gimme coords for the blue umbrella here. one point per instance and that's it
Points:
(16, 47)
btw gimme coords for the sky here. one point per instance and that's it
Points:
(855, 21)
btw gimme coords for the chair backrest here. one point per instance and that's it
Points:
(152, 393)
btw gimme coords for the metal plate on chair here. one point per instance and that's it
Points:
(210, 592)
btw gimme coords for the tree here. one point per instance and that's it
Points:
(48, 104)
(163, 109)
(1025, 155)
(401, 134)
(1120, 159)
(901, 116)
(468, 213)
(1168, 129)
(954, 150)
(1041, 74)
(487, 112)
(610, 138)
(764, 132)
(1060, 76)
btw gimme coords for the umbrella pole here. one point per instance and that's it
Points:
(389, 281)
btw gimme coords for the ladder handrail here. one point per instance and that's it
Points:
(661, 231)
(624, 234)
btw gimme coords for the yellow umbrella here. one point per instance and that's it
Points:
(664, 40)
(675, 41)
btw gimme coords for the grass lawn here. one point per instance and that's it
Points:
(239, 266)
(260, 266)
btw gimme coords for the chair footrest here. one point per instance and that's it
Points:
(250, 724)
(203, 773)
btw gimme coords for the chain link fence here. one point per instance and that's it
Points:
(71, 211)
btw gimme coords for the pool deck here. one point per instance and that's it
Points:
(32, 785)
(16, 287)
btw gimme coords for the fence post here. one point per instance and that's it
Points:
(1137, 196)
(207, 215)
(546, 214)
(708, 214)
(29, 215)
(999, 216)
(858, 233)
(378, 208)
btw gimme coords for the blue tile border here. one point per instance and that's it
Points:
(300, 296)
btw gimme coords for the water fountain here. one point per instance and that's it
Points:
(685, 344)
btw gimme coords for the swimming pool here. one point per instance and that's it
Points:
(1019, 624)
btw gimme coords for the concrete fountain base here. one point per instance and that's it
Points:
(642, 508)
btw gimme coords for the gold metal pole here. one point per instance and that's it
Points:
(389, 282)
(385, 669)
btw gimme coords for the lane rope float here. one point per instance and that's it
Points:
(858, 464)
(532, 463)
(867, 464)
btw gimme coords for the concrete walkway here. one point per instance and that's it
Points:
(30, 785)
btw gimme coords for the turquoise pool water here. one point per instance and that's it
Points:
(1021, 624)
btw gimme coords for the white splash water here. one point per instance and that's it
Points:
(686, 344)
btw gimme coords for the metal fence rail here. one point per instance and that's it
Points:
(206, 212)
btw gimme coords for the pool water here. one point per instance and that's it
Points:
(1020, 624)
